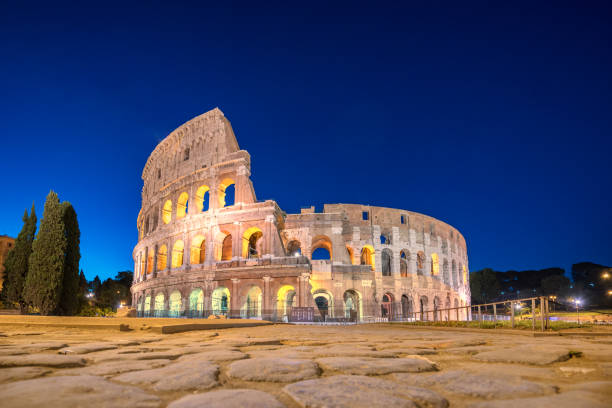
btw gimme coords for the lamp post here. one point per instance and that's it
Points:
(577, 301)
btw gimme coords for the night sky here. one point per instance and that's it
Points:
(497, 121)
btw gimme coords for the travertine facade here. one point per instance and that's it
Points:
(201, 253)
(6, 244)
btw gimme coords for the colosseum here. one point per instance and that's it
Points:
(207, 246)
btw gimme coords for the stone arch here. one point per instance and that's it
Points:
(294, 248)
(351, 254)
(322, 241)
(446, 272)
(167, 212)
(224, 199)
(150, 258)
(367, 256)
(436, 308)
(420, 261)
(404, 259)
(324, 301)
(252, 304)
(352, 305)
(147, 305)
(202, 198)
(386, 260)
(196, 302)
(384, 239)
(407, 307)
(223, 246)
(177, 253)
(175, 303)
(160, 305)
(286, 299)
(386, 305)
(182, 205)
(162, 258)
(455, 278)
(220, 301)
(423, 307)
(435, 264)
(251, 240)
(198, 250)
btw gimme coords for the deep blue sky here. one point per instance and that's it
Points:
(495, 120)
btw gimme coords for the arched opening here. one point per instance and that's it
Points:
(447, 305)
(385, 259)
(196, 302)
(182, 205)
(174, 304)
(420, 261)
(423, 302)
(150, 257)
(352, 305)
(251, 240)
(436, 308)
(350, 252)
(202, 199)
(147, 306)
(226, 193)
(406, 307)
(435, 265)
(167, 212)
(177, 254)
(322, 305)
(198, 250)
(404, 259)
(220, 301)
(226, 248)
(367, 256)
(324, 302)
(294, 248)
(143, 261)
(251, 309)
(159, 305)
(285, 301)
(384, 239)
(446, 272)
(454, 274)
(386, 306)
(162, 258)
(321, 248)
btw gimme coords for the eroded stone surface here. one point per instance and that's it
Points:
(216, 355)
(87, 348)
(180, 376)
(572, 399)
(235, 398)
(88, 391)
(355, 391)
(273, 369)
(118, 367)
(524, 355)
(376, 366)
(21, 373)
(43, 360)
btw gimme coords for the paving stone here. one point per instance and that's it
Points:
(117, 367)
(349, 351)
(478, 385)
(355, 391)
(216, 355)
(410, 351)
(602, 387)
(234, 398)
(49, 345)
(524, 355)
(44, 360)
(87, 348)
(179, 376)
(273, 369)
(21, 373)
(571, 399)
(69, 391)
(376, 366)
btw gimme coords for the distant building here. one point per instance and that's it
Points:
(6, 244)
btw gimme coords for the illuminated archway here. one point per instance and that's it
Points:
(324, 301)
(294, 248)
(367, 256)
(220, 300)
(224, 199)
(352, 305)
(285, 300)
(162, 258)
(167, 212)
(196, 302)
(321, 242)
(202, 199)
(159, 305)
(404, 260)
(182, 205)
(150, 257)
(435, 265)
(252, 304)
(465, 275)
(420, 261)
(350, 253)
(177, 254)
(386, 306)
(250, 240)
(198, 250)
(147, 305)
(175, 303)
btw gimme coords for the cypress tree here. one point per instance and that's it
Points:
(69, 299)
(43, 286)
(16, 263)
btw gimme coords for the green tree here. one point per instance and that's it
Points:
(484, 285)
(43, 285)
(555, 284)
(16, 263)
(69, 299)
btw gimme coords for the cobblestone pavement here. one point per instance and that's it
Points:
(302, 366)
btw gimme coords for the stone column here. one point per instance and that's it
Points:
(237, 240)
(266, 297)
(235, 299)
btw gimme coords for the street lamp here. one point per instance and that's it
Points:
(577, 301)
(605, 275)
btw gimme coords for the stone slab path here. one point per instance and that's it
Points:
(377, 365)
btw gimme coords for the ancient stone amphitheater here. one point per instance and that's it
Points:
(206, 246)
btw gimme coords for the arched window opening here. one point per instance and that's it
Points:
(202, 199)
(252, 305)
(162, 258)
(167, 212)
(367, 256)
(349, 250)
(147, 305)
(321, 254)
(322, 305)
(150, 257)
(220, 301)
(177, 254)
(285, 301)
(423, 302)
(143, 262)
(198, 250)
(159, 305)
(321, 248)
(352, 305)
(446, 272)
(196, 303)
(175, 302)
(386, 306)
(384, 239)
(455, 278)
(386, 262)
(186, 154)
(226, 193)
(251, 240)
(226, 248)
(435, 265)
(420, 263)
(146, 225)
(294, 248)
(406, 307)
(181, 205)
